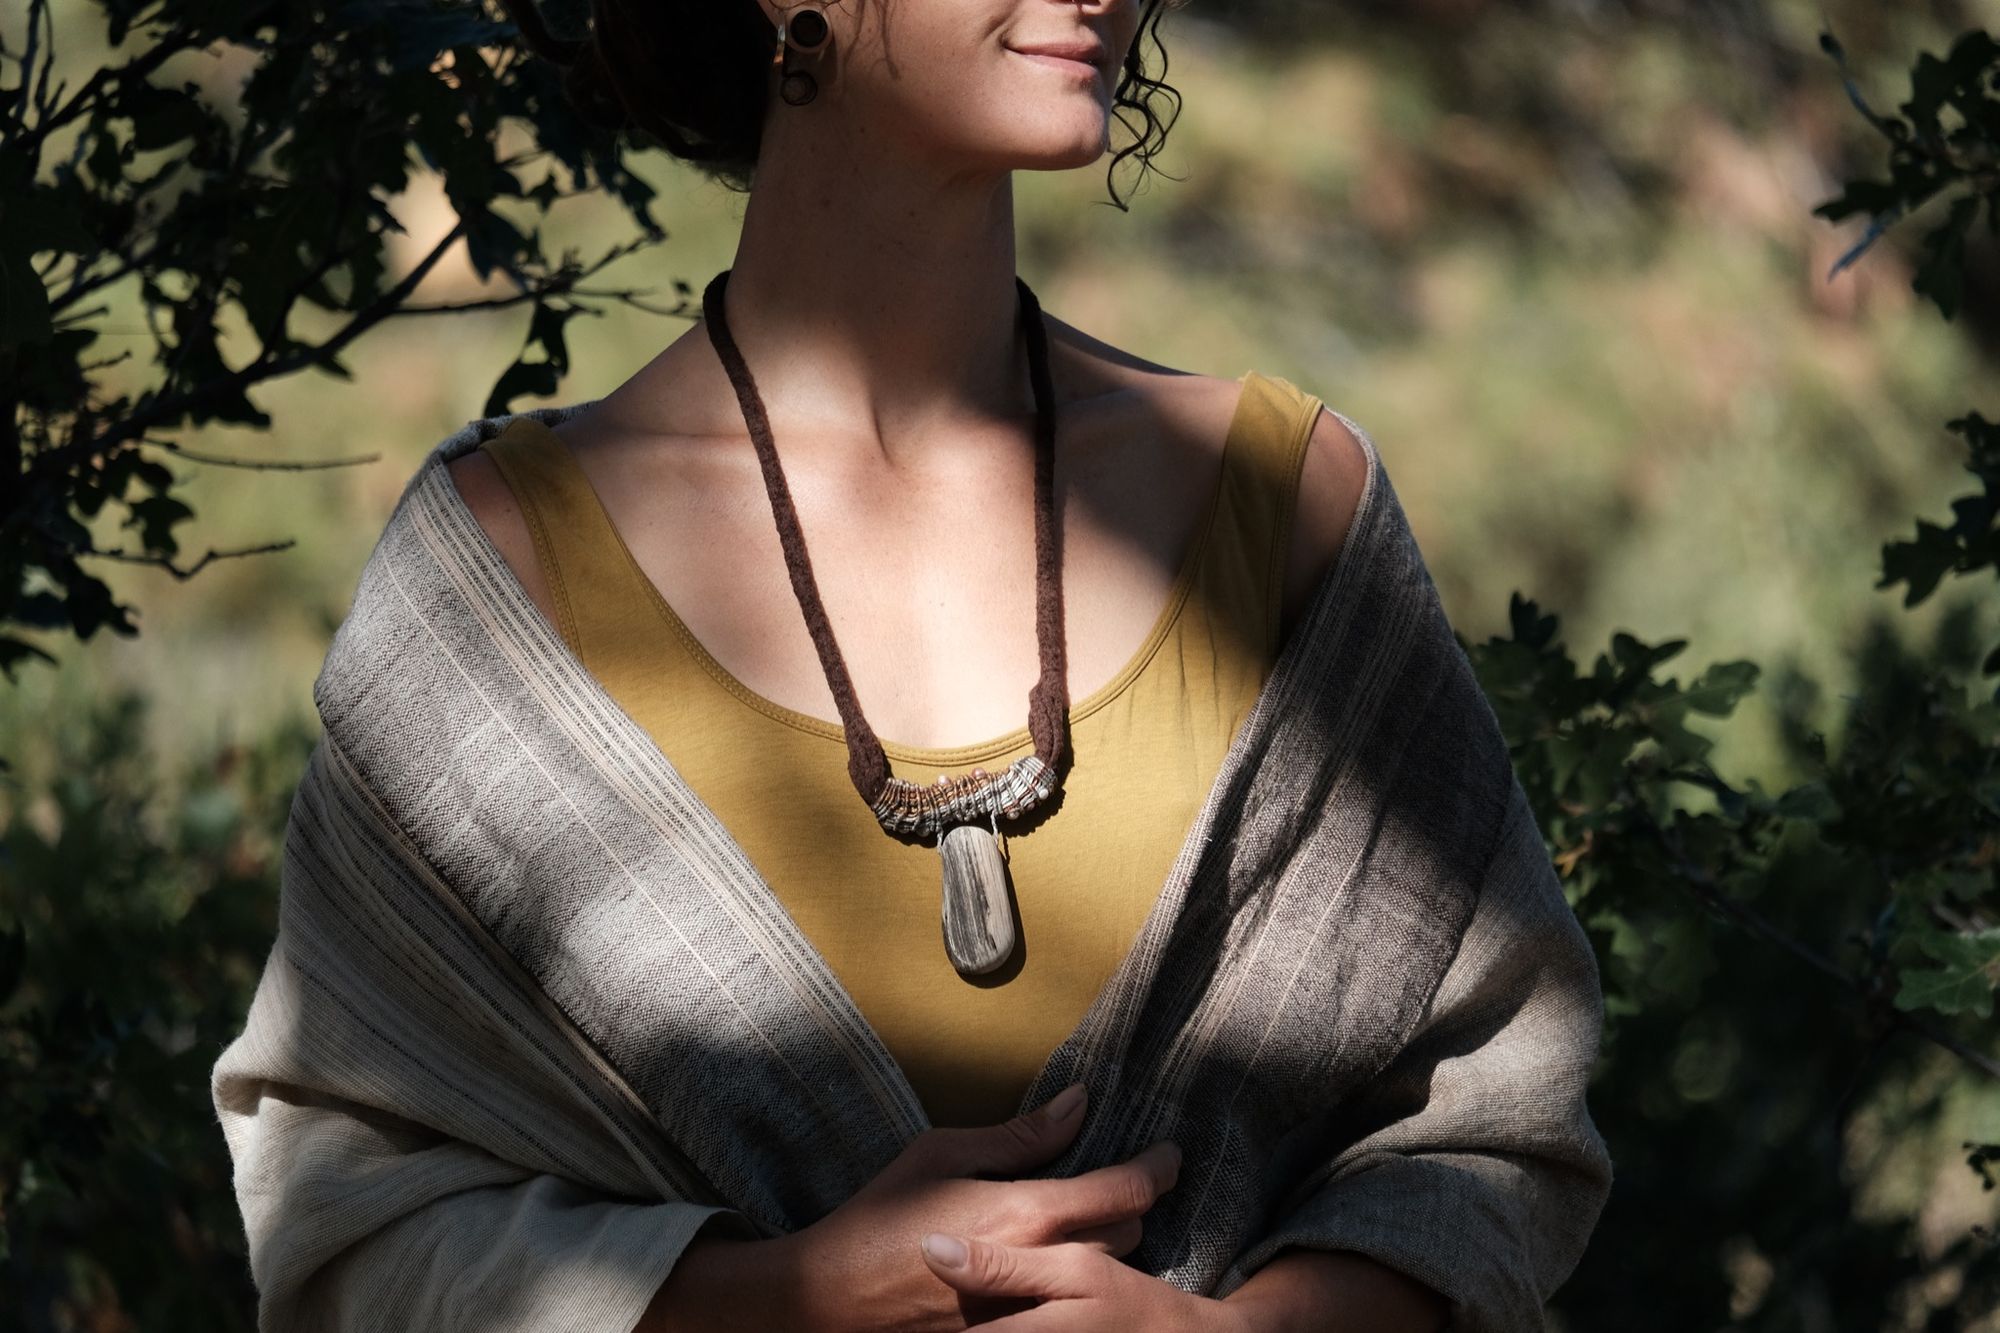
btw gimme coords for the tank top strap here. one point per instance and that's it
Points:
(596, 587)
(1244, 565)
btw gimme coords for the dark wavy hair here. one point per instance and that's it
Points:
(689, 74)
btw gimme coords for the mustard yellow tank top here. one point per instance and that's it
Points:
(1146, 748)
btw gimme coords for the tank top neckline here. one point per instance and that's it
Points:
(925, 756)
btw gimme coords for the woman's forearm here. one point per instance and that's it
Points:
(1336, 1291)
(722, 1285)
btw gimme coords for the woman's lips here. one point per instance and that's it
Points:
(1074, 67)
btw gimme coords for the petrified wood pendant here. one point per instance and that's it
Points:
(978, 914)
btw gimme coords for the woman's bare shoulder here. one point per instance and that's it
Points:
(1195, 407)
(1128, 395)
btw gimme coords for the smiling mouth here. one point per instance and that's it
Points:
(1069, 64)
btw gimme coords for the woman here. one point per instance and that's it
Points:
(609, 990)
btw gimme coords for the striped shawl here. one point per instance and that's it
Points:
(532, 1019)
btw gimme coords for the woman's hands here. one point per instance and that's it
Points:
(862, 1267)
(1081, 1289)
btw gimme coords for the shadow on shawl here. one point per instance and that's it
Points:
(532, 1020)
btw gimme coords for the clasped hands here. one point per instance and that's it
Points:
(1033, 1256)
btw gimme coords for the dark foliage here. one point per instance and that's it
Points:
(1776, 964)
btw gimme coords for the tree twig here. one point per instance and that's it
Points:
(166, 563)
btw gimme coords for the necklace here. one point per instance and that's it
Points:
(963, 813)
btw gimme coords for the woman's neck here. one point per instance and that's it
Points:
(876, 300)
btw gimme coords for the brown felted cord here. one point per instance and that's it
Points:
(1048, 700)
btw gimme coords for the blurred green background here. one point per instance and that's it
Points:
(1558, 260)
(1566, 276)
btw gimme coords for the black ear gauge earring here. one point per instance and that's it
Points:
(806, 31)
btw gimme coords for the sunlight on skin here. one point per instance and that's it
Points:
(1299, 1291)
(873, 285)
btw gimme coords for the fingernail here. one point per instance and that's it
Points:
(947, 1250)
(1064, 1104)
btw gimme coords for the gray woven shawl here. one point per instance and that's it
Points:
(532, 1018)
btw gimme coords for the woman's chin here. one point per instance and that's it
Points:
(1064, 154)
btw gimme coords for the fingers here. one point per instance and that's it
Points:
(1110, 1194)
(1043, 1272)
(1011, 1147)
(1113, 1238)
